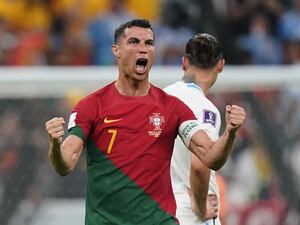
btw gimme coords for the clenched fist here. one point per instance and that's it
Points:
(55, 129)
(235, 117)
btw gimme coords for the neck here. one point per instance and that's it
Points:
(132, 88)
(195, 77)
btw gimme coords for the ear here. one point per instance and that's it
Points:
(115, 50)
(220, 65)
(185, 63)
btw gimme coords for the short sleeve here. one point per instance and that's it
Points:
(188, 123)
(80, 121)
(184, 112)
(209, 121)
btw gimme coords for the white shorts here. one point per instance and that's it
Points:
(193, 221)
(210, 222)
(186, 216)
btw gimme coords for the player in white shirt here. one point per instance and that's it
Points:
(197, 199)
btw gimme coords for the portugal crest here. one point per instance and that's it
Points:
(156, 120)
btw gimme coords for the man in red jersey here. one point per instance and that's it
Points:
(129, 128)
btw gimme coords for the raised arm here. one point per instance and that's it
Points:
(214, 154)
(63, 154)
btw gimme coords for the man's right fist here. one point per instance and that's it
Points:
(55, 129)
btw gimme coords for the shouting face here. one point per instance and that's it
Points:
(135, 52)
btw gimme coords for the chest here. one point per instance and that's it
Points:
(128, 128)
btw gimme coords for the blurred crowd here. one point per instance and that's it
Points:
(80, 32)
(261, 176)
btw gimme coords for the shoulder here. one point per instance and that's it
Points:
(170, 101)
(180, 91)
(96, 95)
(95, 98)
(208, 103)
(102, 91)
(191, 94)
(174, 89)
(164, 95)
(208, 113)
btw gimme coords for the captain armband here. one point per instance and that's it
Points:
(187, 129)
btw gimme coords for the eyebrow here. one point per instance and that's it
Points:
(133, 39)
(139, 40)
(150, 41)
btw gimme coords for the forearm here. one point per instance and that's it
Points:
(221, 149)
(57, 159)
(199, 180)
(63, 154)
(212, 154)
(215, 153)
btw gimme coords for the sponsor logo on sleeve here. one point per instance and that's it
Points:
(72, 119)
(209, 117)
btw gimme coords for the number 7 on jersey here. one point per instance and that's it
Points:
(112, 140)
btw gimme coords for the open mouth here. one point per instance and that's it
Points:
(141, 64)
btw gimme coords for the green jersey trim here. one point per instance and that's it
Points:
(114, 199)
(77, 131)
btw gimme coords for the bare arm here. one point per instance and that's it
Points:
(63, 154)
(214, 154)
(203, 205)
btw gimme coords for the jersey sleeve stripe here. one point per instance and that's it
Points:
(77, 131)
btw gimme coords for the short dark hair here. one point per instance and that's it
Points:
(204, 51)
(132, 23)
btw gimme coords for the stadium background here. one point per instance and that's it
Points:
(54, 52)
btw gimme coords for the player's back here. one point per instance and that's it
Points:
(210, 120)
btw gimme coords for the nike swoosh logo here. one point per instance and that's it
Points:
(110, 121)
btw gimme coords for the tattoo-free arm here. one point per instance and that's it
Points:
(214, 154)
(64, 156)
(199, 187)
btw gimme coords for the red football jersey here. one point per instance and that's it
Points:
(133, 136)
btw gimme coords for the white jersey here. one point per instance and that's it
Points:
(210, 120)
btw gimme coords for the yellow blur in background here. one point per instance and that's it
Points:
(37, 14)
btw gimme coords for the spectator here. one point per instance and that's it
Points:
(291, 52)
(171, 34)
(289, 23)
(102, 28)
(241, 12)
(262, 46)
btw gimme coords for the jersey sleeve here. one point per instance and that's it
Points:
(188, 123)
(80, 121)
(209, 121)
